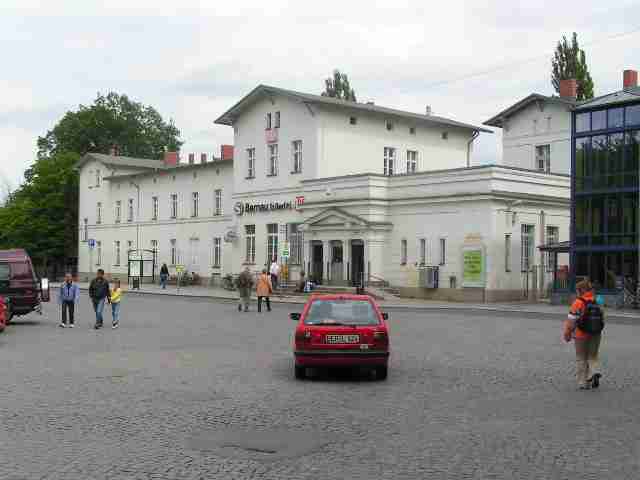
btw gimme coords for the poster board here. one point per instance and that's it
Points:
(474, 266)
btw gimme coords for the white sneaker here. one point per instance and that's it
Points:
(63, 325)
(71, 325)
(114, 326)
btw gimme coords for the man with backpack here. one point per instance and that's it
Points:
(244, 284)
(584, 325)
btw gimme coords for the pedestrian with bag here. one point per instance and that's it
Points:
(68, 299)
(164, 276)
(264, 289)
(245, 285)
(116, 301)
(99, 294)
(584, 325)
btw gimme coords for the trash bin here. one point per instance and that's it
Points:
(136, 283)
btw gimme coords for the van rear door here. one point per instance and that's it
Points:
(5, 278)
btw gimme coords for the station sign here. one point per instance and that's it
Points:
(243, 208)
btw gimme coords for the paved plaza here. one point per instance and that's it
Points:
(189, 388)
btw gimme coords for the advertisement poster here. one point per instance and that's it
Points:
(473, 260)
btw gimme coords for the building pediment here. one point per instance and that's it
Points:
(334, 217)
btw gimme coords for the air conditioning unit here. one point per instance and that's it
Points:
(429, 276)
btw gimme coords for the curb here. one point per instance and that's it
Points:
(458, 307)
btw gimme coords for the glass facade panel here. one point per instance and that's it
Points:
(583, 122)
(616, 161)
(599, 120)
(615, 117)
(632, 115)
(598, 162)
(632, 154)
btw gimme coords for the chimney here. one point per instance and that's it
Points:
(569, 88)
(114, 151)
(226, 152)
(171, 159)
(629, 79)
(428, 110)
(203, 158)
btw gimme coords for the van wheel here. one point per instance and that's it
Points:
(381, 372)
(300, 373)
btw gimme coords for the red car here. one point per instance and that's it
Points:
(341, 331)
(4, 312)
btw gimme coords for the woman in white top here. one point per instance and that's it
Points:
(275, 272)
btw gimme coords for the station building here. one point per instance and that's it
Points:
(349, 192)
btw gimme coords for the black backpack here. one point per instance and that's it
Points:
(592, 319)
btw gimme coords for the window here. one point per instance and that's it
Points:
(173, 205)
(297, 156)
(632, 116)
(250, 234)
(277, 120)
(353, 120)
(615, 117)
(443, 251)
(129, 247)
(194, 248)
(98, 253)
(273, 160)
(154, 208)
(99, 213)
(295, 244)
(251, 162)
(195, 198)
(527, 246)
(403, 252)
(173, 251)
(85, 230)
(507, 252)
(217, 251)
(412, 161)
(543, 158)
(583, 122)
(268, 121)
(154, 249)
(130, 211)
(118, 212)
(342, 312)
(218, 202)
(98, 178)
(389, 125)
(599, 120)
(272, 242)
(552, 236)
(389, 160)
(116, 250)
(422, 252)
(445, 135)
(412, 130)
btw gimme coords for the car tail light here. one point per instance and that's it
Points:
(381, 338)
(303, 337)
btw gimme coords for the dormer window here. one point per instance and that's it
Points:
(389, 125)
(412, 130)
(353, 120)
(445, 135)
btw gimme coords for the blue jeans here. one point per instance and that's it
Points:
(115, 312)
(99, 307)
(163, 280)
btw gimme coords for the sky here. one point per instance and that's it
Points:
(193, 60)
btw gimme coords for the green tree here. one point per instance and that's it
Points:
(137, 130)
(569, 62)
(338, 87)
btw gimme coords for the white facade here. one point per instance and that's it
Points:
(334, 198)
(536, 134)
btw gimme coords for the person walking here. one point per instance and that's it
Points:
(115, 300)
(584, 326)
(164, 276)
(99, 294)
(244, 284)
(264, 289)
(68, 298)
(275, 272)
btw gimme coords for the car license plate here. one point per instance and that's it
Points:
(342, 338)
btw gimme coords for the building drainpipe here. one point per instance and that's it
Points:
(473, 137)
(543, 229)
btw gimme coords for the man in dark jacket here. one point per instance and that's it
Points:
(244, 284)
(99, 294)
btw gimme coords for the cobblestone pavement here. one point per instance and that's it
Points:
(192, 389)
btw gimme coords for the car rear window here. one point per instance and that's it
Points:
(5, 272)
(21, 270)
(348, 312)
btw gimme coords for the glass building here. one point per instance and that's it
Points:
(604, 194)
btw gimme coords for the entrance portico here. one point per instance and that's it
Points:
(343, 249)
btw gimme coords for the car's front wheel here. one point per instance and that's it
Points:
(300, 372)
(381, 372)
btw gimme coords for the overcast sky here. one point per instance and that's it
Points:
(192, 61)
